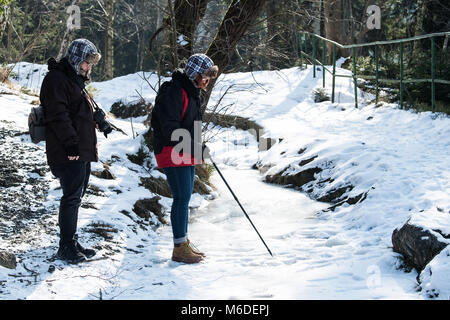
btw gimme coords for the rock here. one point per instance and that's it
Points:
(145, 207)
(8, 260)
(306, 161)
(335, 195)
(314, 180)
(105, 174)
(201, 187)
(297, 180)
(136, 109)
(157, 185)
(418, 246)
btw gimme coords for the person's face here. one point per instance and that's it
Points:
(86, 68)
(202, 82)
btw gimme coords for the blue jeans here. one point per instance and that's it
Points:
(181, 182)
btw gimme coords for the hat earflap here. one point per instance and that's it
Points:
(211, 72)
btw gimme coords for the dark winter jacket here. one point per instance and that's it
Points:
(70, 126)
(169, 115)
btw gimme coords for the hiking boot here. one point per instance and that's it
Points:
(68, 252)
(89, 253)
(195, 249)
(183, 253)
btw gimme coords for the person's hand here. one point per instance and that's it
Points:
(205, 152)
(73, 152)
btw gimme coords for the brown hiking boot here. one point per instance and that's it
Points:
(195, 249)
(184, 254)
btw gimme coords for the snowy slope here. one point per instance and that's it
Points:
(399, 156)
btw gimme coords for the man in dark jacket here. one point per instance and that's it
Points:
(178, 109)
(71, 141)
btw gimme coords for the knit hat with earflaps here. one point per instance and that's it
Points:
(200, 64)
(82, 50)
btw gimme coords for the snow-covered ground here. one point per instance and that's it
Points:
(400, 157)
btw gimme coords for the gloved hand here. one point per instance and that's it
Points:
(107, 131)
(205, 152)
(73, 152)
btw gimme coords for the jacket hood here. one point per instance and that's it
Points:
(64, 66)
(180, 77)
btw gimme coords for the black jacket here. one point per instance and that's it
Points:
(166, 115)
(70, 128)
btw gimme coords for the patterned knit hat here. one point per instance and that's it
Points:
(82, 50)
(200, 64)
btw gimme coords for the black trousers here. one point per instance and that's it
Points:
(74, 178)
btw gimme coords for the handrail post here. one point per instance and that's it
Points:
(401, 75)
(376, 75)
(334, 72)
(323, 62)
(354, 76)
(314, 55)
(433, 65)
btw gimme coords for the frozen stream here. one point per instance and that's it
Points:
(311, 260)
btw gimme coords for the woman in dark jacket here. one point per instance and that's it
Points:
(176, 123)
(71, 141)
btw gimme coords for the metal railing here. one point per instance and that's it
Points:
(314, 38)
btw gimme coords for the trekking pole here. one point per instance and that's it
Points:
(235, 198)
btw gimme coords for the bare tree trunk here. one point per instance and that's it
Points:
(274, 30)
(188, 15)
(3, 22)
(334, 25)
(9, 35)
(317, 12)
(293, 28)
(419, 29)
(109, 40)
(139, 49)
(239, 17)
(172, 36)
(159, 13)
(282, 39)
(24, 24)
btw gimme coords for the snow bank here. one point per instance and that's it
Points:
(400, 158)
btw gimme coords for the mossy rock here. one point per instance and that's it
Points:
(145, 207)
(157, 185)
(228, 121)
(105, 174)
(131, 110)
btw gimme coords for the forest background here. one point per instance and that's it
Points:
(245, 35)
